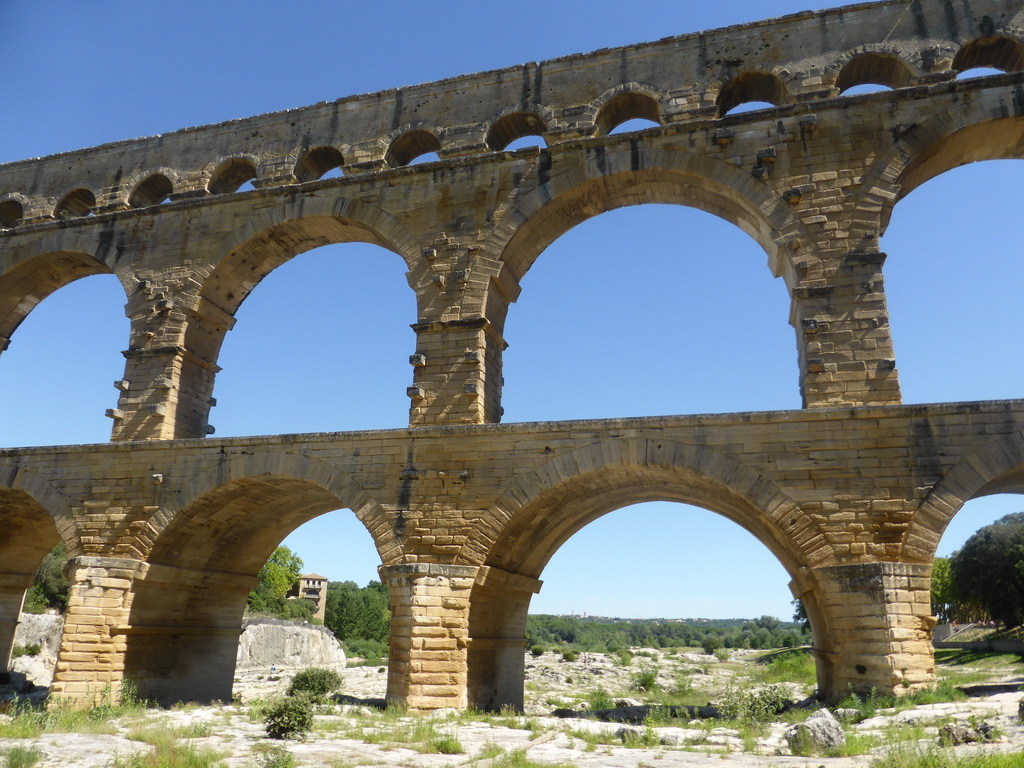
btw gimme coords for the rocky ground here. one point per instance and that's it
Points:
(354, 731)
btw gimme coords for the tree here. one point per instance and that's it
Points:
(945, 598)
(355, 613)
(800, 615)
(279, 574)
(988, 570)
(50, 588)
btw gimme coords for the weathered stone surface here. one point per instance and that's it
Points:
(818, 733)
(286, 647)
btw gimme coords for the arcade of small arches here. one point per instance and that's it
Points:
(230, 175)
(166, 532)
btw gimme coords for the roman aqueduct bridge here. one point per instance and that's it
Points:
(166, 528)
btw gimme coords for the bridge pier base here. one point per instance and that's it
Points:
(429, 633)
(90, 664)
(872, 624)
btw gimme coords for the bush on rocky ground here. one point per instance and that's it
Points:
(289, 718)
(316, 683)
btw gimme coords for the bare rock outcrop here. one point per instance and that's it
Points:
(43, 630)
(286, 646)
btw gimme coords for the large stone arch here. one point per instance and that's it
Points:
(195, 322)
(298, 224)
(34, 517)
(634, 175)
(202, 556)
(977, 129)
(541, 510)
(996, 467)
(27, 276)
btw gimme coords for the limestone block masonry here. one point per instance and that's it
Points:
(166, 528)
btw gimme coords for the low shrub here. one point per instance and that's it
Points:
(289, 718)
(273, 757)
(445, 744)
(600, 699)
(644, 680)
(317, 683)
(754, 706)
(537, 651)
(569, 655)
(32, 649)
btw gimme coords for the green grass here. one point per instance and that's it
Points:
(940, 758)
(790, 666)
(30, 723)
(172, 755)
(517, 759)
(20, 757)
(445, 744)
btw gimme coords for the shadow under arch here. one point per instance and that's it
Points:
(205, 557)
(635, 176)
(543, 509)
(34, 517)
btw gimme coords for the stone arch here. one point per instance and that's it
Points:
(260, 244)
(203, 555)
(60, 259)
(17, 479)
(974, 130)
(880, 67)
(996, 51)
(230, 173)
(626, 102)
(314, 162)
(610, 180)
(151, 188)
(541, 510)
(315, 476)
(752, 86)
(996, 467)
(78, 201)
(515, 124)
(409, 142)
(537, 513)
(263, 243)
(34, 517)
(12, 209)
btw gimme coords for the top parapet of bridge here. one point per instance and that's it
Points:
(696, 78)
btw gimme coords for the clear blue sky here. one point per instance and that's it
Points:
(678, 310)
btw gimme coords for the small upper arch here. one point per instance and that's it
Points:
(79, 201)
(231, 173)
(752, 87)
(515, 125)
(630, 101)
(410, 142)
(316, 161)
(874, 68)
(995, 51)
(12, 209)
(153, 189)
